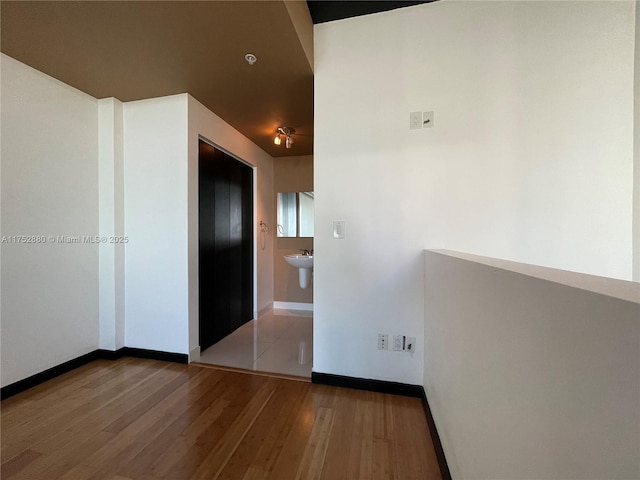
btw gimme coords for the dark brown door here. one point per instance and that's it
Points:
(226, 244)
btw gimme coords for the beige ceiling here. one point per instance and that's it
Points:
(136, 50)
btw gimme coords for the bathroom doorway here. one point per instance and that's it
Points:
(280, 339)
(225, 219)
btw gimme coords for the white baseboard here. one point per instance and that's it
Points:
(265, 309)
(308, 307)
(194, 355)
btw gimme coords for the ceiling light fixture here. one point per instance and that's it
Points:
(287, 132)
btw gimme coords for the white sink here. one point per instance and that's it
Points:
(300, 261)
(304, 264)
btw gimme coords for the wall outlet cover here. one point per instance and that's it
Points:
(427, 119)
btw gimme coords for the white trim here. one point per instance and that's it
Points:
(194, 355)
(293, 306)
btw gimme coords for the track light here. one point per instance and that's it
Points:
(287, 132)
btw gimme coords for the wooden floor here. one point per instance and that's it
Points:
(144, 419)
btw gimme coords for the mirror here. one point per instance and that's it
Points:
(295, 214)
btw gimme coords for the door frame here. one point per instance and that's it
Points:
(254, 215)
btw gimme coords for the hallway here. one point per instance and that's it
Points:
(280, 341)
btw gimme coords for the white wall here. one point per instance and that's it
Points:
(530, 157)
(161, 218)
(636, 150)
(111, 188)
(155, 192)
(203, 123)
(49, 187)
(76, 166)
(531, 378)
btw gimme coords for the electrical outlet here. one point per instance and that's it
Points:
(418, 120)
(402, 343)
(383, 341)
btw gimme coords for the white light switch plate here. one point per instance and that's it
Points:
(338, 229)
(415, 120)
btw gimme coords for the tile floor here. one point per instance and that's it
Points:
(280, 341)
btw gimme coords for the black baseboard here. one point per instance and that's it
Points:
(416, 391)
(48, 374)
(435, 438)
(370, 385)
(101, 354)
(110, 354)
(155, 355)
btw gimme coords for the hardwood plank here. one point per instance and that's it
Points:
(255, 473)
(98, 372)
(316, 448)
(381, 466)
(339, 448)
(148, 403)
(93, 415)
(357, 467)
(410, 444)
(80, 472)
(135, 419)
(9, 451)
(217, 460)
(292, 450)
(18, 463)
(54, 414)
(233, 393)
(260, 449)
(127, 443)
(164, 449)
